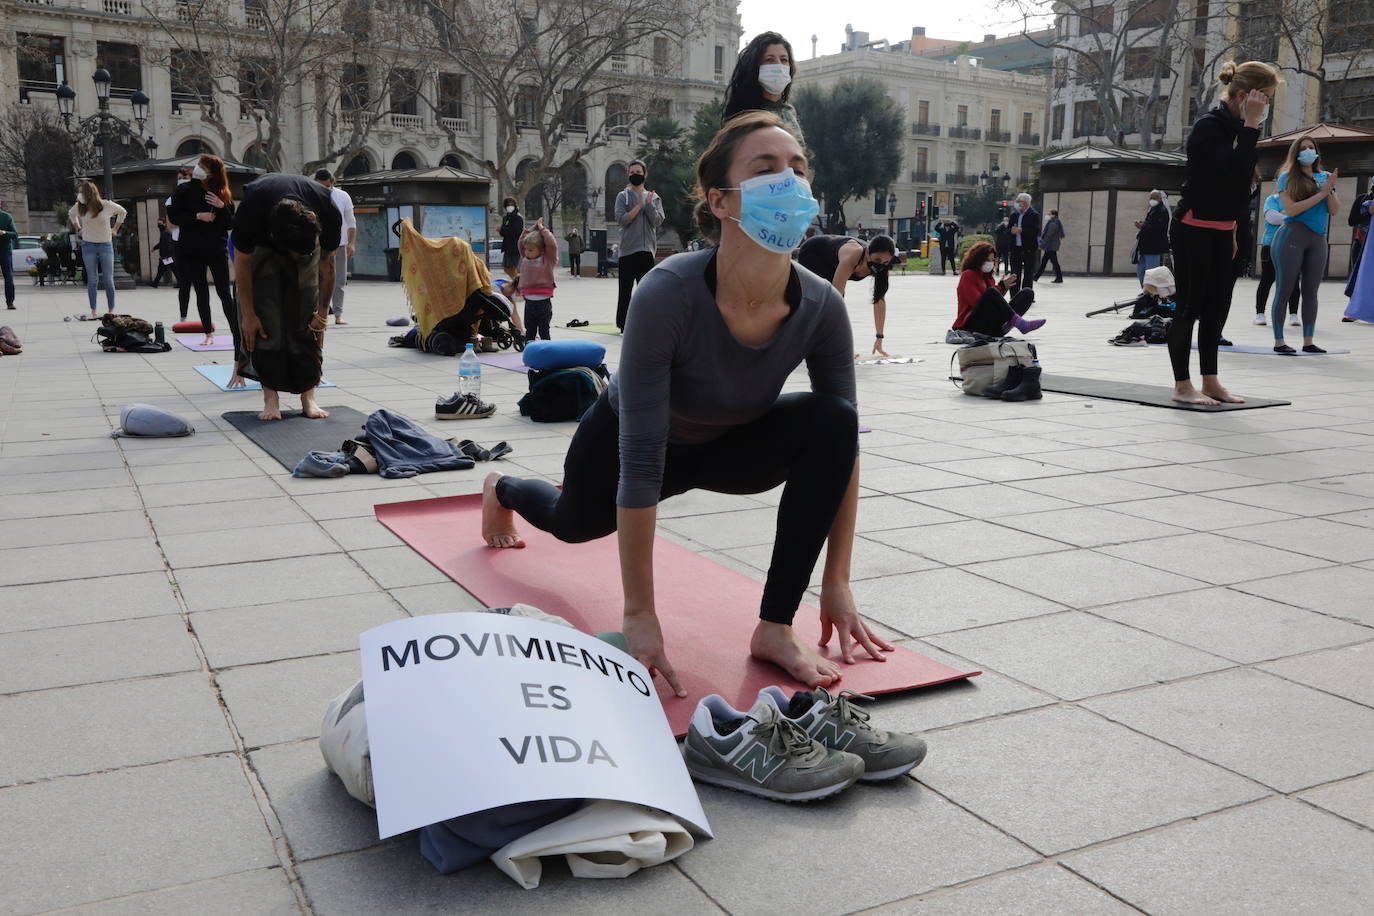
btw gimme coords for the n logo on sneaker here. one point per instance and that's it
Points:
(758, 763)
(831, 735)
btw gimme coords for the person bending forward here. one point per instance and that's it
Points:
(697, 404)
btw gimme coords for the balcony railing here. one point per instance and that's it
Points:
(255, 17)
(186, 11)
(405, 121)
(1029, 139)
(619, 63)
(999, 136)
(118, 7)
(919, 177)
(347, 118)
(965, 133)
(457, 125)
(960, 178)
(919, 129)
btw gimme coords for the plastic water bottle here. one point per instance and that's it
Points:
(469, 373)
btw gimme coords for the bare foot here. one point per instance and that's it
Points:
(340, 321)
(271, 405)
(209, 341)
(310, 409)
(1185, 393)
(778, 643)
(1221, 395)
(498, 522)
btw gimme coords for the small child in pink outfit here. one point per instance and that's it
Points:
(539, 250)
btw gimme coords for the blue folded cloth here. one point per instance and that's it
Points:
(322, 464)
(398, 322)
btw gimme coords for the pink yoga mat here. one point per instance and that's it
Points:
(192, 342)
(707, 611)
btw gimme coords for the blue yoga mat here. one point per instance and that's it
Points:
(219, 376)
(1269, 350)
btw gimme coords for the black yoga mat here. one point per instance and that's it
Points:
(289, 439)
(1149, 395)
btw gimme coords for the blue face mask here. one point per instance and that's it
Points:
(1016, 206)
(1307, 156)
(775, 210)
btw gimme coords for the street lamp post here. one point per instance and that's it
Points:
(589, 202)
(107, 125)
(891, 213)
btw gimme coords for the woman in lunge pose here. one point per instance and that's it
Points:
(840, 258)
(697, 404)
(1308, 197)
(1216, 194)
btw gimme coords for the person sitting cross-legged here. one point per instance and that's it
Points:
(983, 305)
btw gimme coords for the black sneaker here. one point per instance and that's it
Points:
(462, 407)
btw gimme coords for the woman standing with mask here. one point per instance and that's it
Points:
(762, 81)
(1216, 195)
(840, 258)
(90, 219)
(697, 403)
(512, 228)
(1152, 241)
(203, 208)
(1308, 197)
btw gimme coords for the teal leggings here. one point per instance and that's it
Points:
(1299, 256)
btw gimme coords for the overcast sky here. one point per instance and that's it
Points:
(798, 20)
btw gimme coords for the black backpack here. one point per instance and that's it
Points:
(563, 394)
(114, 339)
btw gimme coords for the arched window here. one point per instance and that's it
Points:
(358, 165)
(615, 183)
(194, 146)
(452, 160)
(572, 182)
(403, 161)
(255, 156)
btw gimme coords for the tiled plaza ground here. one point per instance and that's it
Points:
(1173, 611)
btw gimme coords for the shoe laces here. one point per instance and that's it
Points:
(842, 706)
(785, 738)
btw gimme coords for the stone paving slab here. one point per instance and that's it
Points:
(1027, 892)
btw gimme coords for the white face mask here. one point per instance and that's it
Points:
(510, 209)
(199, 173)
(80, 197)
(775, 78)
(1154, 202)
(987, 267)
(182, 180)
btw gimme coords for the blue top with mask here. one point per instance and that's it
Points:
(1314, 218)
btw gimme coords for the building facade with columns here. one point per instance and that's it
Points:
(50, 42)
(965, 125)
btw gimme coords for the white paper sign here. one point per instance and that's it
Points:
(471, 711)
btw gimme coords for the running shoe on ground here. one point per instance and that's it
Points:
(1260, 319)
(763, 754)
(462, 407)
(1294, 321)
(836, 722)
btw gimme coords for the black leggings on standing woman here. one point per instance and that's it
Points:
(807, 441)
(191, 275)
(1205, 273)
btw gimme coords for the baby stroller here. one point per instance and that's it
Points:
(489, 314)
(1157, 298)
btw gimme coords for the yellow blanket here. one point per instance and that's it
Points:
(439, 276)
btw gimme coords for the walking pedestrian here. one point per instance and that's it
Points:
(1051, 237)
(166, 254)
(347, 244)
(1216, 194)
(1152, 236)
(204, 209)
(183, 291)
(948, 233)
(1025, 231)
(1299, 249)
(1273, 219)
(575, 248)
(639, 212)
(1001, 240)
(512, 228)
(9, 237)
(91, 220)
(1359, 221)
(762, 81)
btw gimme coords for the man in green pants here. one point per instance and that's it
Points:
(9, 238)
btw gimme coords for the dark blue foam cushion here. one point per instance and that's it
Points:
(564, 354)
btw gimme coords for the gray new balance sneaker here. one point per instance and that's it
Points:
(764, 754)
(837, 723)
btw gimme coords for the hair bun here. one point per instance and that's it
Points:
(1226, 73)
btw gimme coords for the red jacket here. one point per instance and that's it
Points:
(972, 285)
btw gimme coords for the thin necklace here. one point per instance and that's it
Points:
(751, 302)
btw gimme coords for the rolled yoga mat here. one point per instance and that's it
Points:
(1149, 395)
(187, 327)
(291, 438)
(706, 610)
(219, 376)
(191, 342)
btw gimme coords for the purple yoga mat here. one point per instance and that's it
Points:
(192, 342)
(515, 362)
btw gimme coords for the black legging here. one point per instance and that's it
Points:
(947, 254)
(632, 269)
(191, 270)
(807, 441)
(1048, 257)
(1267, 282)
(1204, 270)
(575, 264)
(993, 314)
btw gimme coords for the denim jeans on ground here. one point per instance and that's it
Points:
(99, 260)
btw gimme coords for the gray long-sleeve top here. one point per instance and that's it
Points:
(640, 233)
(685, 379)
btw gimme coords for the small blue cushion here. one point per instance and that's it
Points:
(564, 354)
